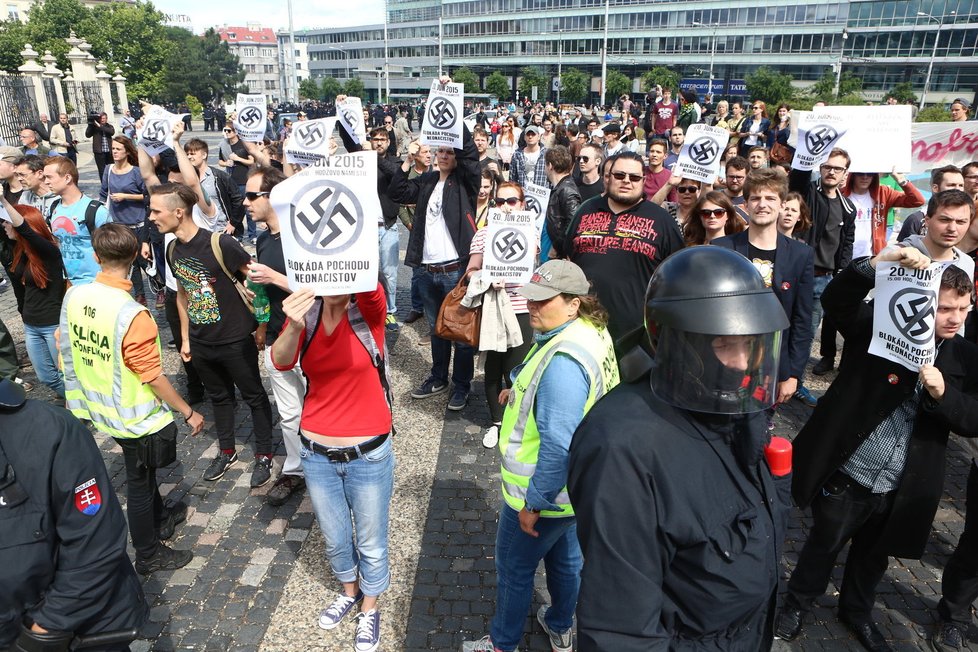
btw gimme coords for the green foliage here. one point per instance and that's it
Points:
(934, 114)
(330, 89)
(824, 89)
(497, 84)
(215, 72)
(309, 89)
(194, 106)
(770, 86)
(13, 37)
(469, 79)
(852, 99)
(663, 77)
(530, 77)
(575, 85)
(903, 92)
(354, 87)
(617, 84)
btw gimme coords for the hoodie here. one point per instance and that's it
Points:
(961, 260)
(885, 198)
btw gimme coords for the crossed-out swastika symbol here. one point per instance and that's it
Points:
(820, 137)
(310, 135)
(156, 130)
(250, 116)
(910, 310)
(533, 204)
(704, 151)
(442, 114)
(509, 245)
(325, 218)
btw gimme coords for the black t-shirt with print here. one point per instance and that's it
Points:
(216, 312)
(239, 173)
(763, 260)
(269, 248)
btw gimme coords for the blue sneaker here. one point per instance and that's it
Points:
(342, 606)
(806, 397)
(458, 400)
(368, 631)
(429, 388)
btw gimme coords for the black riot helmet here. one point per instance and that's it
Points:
(716, 330)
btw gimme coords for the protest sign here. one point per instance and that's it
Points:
(251, 118)
(877, 138)
(699, 158)
(309, 141)
(350, 114)
(818, 132)
(329, 230)
(3, 215)
(936, 144)
(511, 246)
(442, 124)
(156, 134)
(904, 313)
(537, 199)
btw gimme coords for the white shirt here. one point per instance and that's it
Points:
(862, 245)
(438, 244)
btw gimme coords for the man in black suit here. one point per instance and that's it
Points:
(870, 461)
(787, 267)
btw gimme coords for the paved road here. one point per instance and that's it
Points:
(259, 579)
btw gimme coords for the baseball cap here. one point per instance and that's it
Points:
(533, 129)
(555, 277)
(963, 102)
(612, 128)
(302, 113)
(597, 133)
(10, 154)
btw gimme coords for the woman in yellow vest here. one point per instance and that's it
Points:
(571, 365)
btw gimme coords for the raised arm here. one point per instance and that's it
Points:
(189, 173)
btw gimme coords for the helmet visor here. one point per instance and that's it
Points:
(717, 374)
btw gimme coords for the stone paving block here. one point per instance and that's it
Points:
(296, 535)
(276, 526)
(253, 574)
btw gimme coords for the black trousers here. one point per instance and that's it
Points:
(102, 161)
(8, 353)
(195, 388)
(499, 366)
(144, 505)
(222, 367)
(959, 584)
(843, 510)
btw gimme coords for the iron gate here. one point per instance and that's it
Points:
(18, 107)
(51, 95)
(83, 98)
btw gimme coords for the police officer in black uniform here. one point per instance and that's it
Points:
(66, 582)
(678, 513)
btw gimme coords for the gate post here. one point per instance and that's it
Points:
(51, 72)
(120, 88)
(32, 70)
(77, 57)
(103, 79)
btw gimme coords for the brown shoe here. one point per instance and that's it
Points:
(284, 487)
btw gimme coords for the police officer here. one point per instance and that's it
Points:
(679, 516)
(65, 574)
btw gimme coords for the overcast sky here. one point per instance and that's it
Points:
(274, 13)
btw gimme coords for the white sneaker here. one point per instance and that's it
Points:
(491, 438)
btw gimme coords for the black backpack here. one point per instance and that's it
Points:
(90, 211)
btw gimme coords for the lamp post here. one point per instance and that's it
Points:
(713, 53)
(604, 53)
(838, 69)
(293, 75)
(440, 26)
(933, 53)
(346, 58)
(560, 64)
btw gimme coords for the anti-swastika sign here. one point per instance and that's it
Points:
(442, 125)
(350, 113)
(700, 156)
(309, 141)
(154, 137)
(251, 117)
(511, 246)
(904, 314)
(330, 240)
(818, 132)
(820, 137)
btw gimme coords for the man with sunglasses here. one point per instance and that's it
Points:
(589, 183)
(831, 236)
(619, 239)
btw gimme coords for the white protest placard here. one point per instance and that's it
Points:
(251, 117)
(537, 199)
(309, 141)
(329, 230)
(818, 133)
(877, 138)
(904, 313)
(156, 134)
(699, 158)
(442, 122)
(3, 215)
(350, 114)
(936, 144)
(511, 246)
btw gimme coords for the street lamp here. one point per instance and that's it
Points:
(604, 53)
(713, 53)
(838, 70)
(346, 58)
(933, 53)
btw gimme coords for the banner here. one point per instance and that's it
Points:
(350, 114)
(251, 117)
(511, 246)
(877, 138)
(537, 199)
(329, 229)
(817, 135)
(309, 141)
(157, 131)
(442, 124)
(936, 144)
(904, 313)
(699, 158)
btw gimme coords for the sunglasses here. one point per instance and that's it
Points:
(229, 131)
(687, 189)
(757, 108)
(583, 159)
(512, 201)
(252, 196)
(715, 212)
(634, 178)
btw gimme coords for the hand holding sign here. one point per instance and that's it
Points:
(933, 381)
(700, 156)
(250, 117)
(906, 256)
(905, 307)
(442, 124)
(296, 305)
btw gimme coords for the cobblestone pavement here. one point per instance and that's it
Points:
(258, 579)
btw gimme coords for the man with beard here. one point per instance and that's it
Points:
(736, 175)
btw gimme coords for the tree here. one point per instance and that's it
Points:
(13, 37)
(497, 85)
(903, 93)
(466, 77)
(214, 73)
(660, 76)
(934, 114)
(194, 106)
(617, 84)
(330, 89)
(770, 86)
(575, 85)
(354, 87)
(849, 88)
(530, 77)
(309, 89)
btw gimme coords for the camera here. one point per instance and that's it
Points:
(94, 116)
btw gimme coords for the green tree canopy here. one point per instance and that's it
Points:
(330, 89)
(354, 87)
(661, 76)
(309, 89)
(530, 77)
(215, 72)
(824, 89)
(617, 84)
(934, 114)
(466, 77)
(903, 93)
(770, 86)
(497, 84)
(575, 85)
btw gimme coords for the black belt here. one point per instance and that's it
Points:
(345, 454)
(819, 271)
(444, 268)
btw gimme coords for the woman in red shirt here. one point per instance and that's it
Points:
(347, 456)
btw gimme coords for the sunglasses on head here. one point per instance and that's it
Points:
(687, 189)
(252, 196)
(715, 212)
(634, 178)
(512, 201)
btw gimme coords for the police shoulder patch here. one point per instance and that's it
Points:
(88, 499)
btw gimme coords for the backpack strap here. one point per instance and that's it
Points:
(219, 255)
(90, 212)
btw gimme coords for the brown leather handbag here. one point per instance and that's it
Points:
(456, 322)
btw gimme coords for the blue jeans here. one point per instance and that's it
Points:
(388, 241)
(434, 287)
(43, 353)
(417, 305)
(354, 494)
(517, 557)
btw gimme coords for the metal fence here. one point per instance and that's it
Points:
(83, 98)
(51, 95)
(18, 107)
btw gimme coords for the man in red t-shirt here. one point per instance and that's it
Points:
(666, 111)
